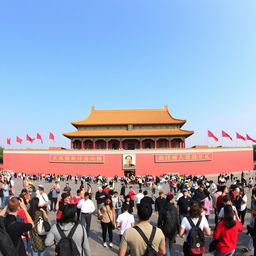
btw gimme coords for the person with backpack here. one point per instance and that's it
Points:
(226, 233)
(168, 221)
(69, 236)
(143, 239)
(37, 214)
(193, 228)
(11, 240)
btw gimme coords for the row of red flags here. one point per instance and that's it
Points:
(224, 134)
(30, 139)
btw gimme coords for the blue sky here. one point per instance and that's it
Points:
(58, 58)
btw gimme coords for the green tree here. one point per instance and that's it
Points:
(1, 155)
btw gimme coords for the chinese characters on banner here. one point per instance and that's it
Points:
(183, 157)
(59, 158)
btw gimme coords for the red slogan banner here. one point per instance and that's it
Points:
(183, 157)
(58, 158)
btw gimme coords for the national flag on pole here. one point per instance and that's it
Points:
(51, 136)
(39, 137)
(249, 138)
(28, 138)
(8, 141)
(224, 134)
(239, 136)
(18, 139)
(210, 134)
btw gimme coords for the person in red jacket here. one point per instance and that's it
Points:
(226, 233)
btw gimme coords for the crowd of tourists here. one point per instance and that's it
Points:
(183, 211)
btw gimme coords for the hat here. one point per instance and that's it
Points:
(169, 193)
(184, 190)
(41, 186)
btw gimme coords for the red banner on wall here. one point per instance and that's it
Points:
(183, 157)
(59, 158)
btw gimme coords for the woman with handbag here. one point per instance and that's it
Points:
(226, 233)
(106, 214)
(38, 215)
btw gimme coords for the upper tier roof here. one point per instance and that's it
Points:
(129, 116)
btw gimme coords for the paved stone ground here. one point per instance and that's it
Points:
(95, 239)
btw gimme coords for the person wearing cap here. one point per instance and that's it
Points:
(168, 221)
(184, 204)
(87, 208)
(43, 198)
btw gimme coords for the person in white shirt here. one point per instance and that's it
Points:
(195, 215)
(227, 201)
(125, 220)
(243, 205)
(138, 197)
(87, 208)
(43, 198)
(117, 203)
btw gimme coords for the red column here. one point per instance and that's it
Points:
(82, 144)
(155, 142)
(106, 144)
(180, 144)
(93, 144)
(121, 144)
(71, 144)
(170, 143)
(140, 143)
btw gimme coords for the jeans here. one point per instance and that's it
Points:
(168, 243)
(241, 215)
(53, 204)
(86, 221)
(5, 201)
(224, 254)
(107, 227)
(118, 212)
(181, 216)
(34, 253)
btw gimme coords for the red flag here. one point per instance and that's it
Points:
(28, 138)
(51, 136)
(239, 136)
(18, 139)
(224, 134)
(39, 137)
(8, 141)
(210, 134)
(249, 138)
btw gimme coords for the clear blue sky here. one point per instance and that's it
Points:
(58, 58)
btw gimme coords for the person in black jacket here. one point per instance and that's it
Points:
(168, 221)
(160, 202)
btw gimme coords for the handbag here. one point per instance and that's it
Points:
(112, 224)
(213, 245)
(42, 226)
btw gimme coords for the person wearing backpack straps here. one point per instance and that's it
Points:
(69, 235)
(193, 228)
(15, 228)
(143, 239)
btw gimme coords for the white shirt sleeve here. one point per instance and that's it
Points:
(79, 205)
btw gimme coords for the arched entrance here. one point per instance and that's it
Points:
(148, 143)
(131, 144)
(100, 144)
(113, 144)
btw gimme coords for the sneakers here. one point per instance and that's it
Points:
(105, 244)
(110, 245)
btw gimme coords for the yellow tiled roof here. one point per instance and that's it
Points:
(123, 133)
(129, 116)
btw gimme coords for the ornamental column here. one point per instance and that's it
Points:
(155, 143)
(140, 143)
(82, 144)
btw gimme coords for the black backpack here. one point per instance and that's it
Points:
(7, 247)
(150, 251)
(195, 239)
(67, 246)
